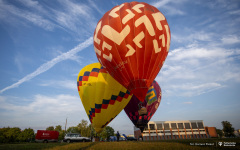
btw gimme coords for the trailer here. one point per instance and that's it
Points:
(45, 136)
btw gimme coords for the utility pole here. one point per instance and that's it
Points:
(66, 126)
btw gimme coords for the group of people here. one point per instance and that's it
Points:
(93, 139)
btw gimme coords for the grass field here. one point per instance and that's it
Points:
(197, 144)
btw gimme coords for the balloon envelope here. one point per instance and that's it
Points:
(102, 96)
(141, 112)
(132, 42)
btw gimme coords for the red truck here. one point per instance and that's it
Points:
(46, 136)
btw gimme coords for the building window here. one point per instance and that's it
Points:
(159, 126)
(174, 125)
(166, 126)
(200, 125)
(152, 126)
(187, 126)
(194, 125)
(153, 132)
(180, 125)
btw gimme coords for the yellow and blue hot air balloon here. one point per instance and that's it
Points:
(102, 96)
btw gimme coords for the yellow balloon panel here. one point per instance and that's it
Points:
(102, 96)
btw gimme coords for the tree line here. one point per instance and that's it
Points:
(227, 131)
(8, 135)
(15, 134)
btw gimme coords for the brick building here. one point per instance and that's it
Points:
(163, 130)
(211, 131)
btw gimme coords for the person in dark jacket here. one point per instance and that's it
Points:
(118, 136)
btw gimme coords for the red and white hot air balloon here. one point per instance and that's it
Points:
(132, 42)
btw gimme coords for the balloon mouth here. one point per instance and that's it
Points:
(139, 88)
(98, 130)
(140, 93)
(141, 127)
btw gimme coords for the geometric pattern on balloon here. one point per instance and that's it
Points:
(102, 96)
(132, 42)
(151, 103)
(118, 37)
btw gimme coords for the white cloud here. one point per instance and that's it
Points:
(42, 104)
(195, 87)
(98, 9)
(30, 3)
(194, 52)
(161, 3)
(67, 84)
(191, 36)
(41, 111)
(231, 39)
(191, 89)
(173, 11)
(235, 12)
(38, 20)
(74, 18)
(48, 65)
(20, 60)
(197, 69)
(187, 102)
(167, 4)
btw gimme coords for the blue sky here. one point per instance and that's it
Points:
(44, 44)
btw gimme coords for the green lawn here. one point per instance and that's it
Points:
(194, 144)
(29, 146)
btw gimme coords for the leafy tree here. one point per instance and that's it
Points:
(87, 130)
(73, 130)
(107, 132)
(58, 128)
(12, 134)
(3, 135)
(15, 135)
(219, 132)
(83, 128)
(92, 130)
(228, 129)
(26, 135)
(50, 128)
(61, 135)
(61, 132)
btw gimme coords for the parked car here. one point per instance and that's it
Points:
(131, 139)
(75, 137)
(46, 136)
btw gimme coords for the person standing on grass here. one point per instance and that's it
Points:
(118, 135)
(140, 138)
